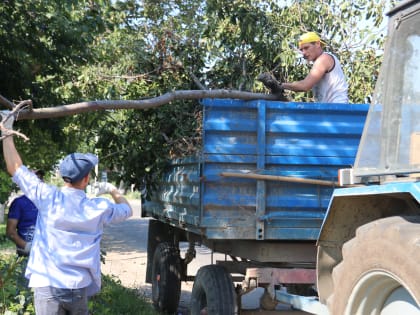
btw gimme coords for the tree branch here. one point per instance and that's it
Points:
(5, 132)
(91, 106)
(6, 102)
(197, 81)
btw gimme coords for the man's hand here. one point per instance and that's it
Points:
(7, 120)
(270, 82)
(104, 188)
(26, 250)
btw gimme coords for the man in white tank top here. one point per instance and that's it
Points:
(326, 78)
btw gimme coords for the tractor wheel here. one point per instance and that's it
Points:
(166, 278)
(379, 273)
(213, 292)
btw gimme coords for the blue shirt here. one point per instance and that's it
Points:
(66, 247)
(24, 211)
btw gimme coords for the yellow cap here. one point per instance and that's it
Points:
(309, 37)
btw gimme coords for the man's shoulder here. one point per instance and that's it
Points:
(325, 62)
(327, 56)
(19, 199)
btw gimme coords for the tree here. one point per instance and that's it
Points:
(262, 36)
(130, 50)
(43, 45)
(48, 47)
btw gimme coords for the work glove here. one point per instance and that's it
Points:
(7, 120)
(270, 82)
(104, 188)
(26, 250)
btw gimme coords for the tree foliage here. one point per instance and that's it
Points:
(61, 52)
(43, 45)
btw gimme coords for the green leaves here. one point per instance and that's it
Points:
(58, 52)
(15, 296)
(5, 185)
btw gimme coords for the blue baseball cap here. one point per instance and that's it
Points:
(75, 166)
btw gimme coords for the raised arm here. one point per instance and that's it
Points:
(108, 188)
(11, 156)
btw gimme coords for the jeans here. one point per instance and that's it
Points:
(57, 301)
(21, 281)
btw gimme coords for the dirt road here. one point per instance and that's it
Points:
(125, 245)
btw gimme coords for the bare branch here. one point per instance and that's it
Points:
(124, 77)
(11, 132)
(197, 81)
(91, 106)
(6, 102)
(15, 112)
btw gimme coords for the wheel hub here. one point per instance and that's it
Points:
(381, 293)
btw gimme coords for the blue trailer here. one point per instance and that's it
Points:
(263, 191)
(257, 191)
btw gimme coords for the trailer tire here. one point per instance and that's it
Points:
(156, 234)
(166, 278)
(213, 292)
(379, 272)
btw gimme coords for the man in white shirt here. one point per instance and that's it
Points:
(64, 262)
(326, 77)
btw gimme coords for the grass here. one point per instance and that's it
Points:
(116, 299)
(15, 298)
(5, 243)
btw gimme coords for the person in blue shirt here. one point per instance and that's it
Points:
(21, 221)
(64, 262)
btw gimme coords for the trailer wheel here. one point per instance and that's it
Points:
(379, 273)
(166, 278)
(213, 292)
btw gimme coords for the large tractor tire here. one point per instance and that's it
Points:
(166, 278)
(213, 292)
(380, 270)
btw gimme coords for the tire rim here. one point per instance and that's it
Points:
(381, 293)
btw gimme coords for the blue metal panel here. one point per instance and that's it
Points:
(178, 197)
(305, 140)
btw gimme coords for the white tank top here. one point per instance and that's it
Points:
(333, 86)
